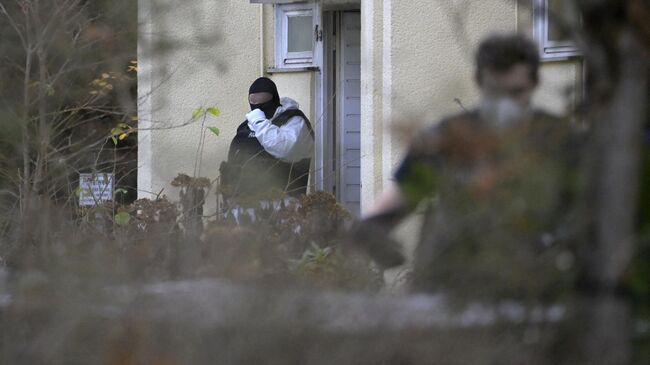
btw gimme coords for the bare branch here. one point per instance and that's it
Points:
(12, 22)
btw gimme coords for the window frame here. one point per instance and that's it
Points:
(549, 50)
(284, 58)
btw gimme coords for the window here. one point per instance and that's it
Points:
(554, 43)
(295, 34)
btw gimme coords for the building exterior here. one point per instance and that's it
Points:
(360, 69)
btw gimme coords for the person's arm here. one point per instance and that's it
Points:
(389, 209)
(372, 232)
(391, 199)
(393, 204)
(291, 142)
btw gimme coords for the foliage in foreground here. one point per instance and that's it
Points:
(157, 240)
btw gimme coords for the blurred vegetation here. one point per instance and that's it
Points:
(68, 80)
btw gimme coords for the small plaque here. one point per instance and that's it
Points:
(95, 189)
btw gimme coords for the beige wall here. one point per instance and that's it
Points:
(200, 53)
(197, 60)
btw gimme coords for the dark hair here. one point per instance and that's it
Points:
(500, 52)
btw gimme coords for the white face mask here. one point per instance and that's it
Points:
(503, 111)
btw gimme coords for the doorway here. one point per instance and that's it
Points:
(342, 101)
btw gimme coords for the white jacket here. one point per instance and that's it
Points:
(291, 142)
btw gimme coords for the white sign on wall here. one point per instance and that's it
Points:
(95, 188)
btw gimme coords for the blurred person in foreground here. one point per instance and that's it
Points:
(497, 185)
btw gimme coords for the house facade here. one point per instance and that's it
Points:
(360, 69)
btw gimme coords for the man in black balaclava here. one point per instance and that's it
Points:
(260, 92)
(272, 149)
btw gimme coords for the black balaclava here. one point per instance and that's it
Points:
(265, 85)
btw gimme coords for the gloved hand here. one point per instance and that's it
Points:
(375, 242)
(255, 117)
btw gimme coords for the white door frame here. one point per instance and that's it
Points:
(325, 98)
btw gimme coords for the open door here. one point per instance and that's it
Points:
(349, 112)
(340, 151)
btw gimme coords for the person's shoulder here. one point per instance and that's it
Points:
(545, 116)
(290, 109)
(243, 127)
(563, 132)
(465, 118)
(289, 113)
(289, 104)
(429, 138)
(558, 123)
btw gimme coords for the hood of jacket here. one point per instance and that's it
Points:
(287, 104)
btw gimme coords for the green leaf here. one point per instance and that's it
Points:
(122, 218)
(214, 111)
(114, 140)
(120, 190)
(214, 130)
(196, 113)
